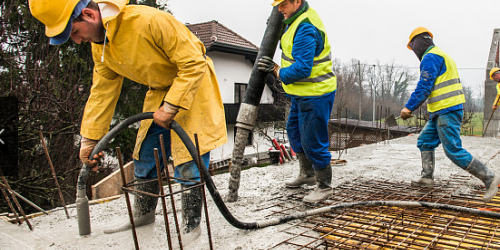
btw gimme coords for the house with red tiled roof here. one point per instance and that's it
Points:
(234, 57)
(217, 37)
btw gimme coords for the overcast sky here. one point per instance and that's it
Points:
(371, 30)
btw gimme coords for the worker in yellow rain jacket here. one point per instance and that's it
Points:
(150, 47)
(440, 86)
(495, 76)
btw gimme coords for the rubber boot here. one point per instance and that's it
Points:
(191, 214)
(144, 207)
(428, 165)
(323, 189)
(489, 178)
(306, 173)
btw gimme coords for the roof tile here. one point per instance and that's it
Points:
(212, 31)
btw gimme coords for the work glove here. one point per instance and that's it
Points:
(405, 113)
(86, 146)
(266, 64)
(165, 115)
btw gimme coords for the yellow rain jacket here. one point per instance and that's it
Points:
(151, 47)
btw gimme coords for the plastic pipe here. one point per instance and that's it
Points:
(82, 202)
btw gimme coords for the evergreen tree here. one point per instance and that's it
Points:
(52, 84)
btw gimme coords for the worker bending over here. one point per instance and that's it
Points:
(440, 85)
(308, 79)
(151, 47)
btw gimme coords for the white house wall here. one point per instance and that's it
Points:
(231, 69)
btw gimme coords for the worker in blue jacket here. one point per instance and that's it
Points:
(307, 75)
(440, 85)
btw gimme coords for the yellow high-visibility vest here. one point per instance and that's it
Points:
(497, 99)
(322, 79)
(447, 90)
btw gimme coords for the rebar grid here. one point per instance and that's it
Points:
(129, 188)
(393, 227)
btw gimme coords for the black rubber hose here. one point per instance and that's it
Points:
(209, 182)
(103, 143)
(275, 221)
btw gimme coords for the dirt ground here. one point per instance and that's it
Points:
(397, 159)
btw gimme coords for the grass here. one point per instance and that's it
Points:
(476, 126)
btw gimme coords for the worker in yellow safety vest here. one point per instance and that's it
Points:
(440, 85)
(495, 76)
(151, 47)
(307, 77)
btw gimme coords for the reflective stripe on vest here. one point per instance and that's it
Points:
(322, 79)
(447, 90)
(315, 62)
(498, 88)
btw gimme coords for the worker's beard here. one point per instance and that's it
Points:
(99, 38)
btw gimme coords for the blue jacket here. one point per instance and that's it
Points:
(431, 67)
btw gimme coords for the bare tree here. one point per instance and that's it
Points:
(388, 85)
(346, 86)
(470, 110)
(395, 82)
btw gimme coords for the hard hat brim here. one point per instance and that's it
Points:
(62, 37)
(277, 2)
(55, 30)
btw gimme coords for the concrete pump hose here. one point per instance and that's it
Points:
(82, 202)
(274, 221)
(103, 143)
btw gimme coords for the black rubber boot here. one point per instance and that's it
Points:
(306, 173)
(489, 178)
(144, 207)
(191, 214)
(323, 189)
(428, 165)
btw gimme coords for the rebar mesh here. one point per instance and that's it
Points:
(393, 227)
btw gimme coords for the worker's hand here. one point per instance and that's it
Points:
(165, 115)
(267, 64)
(86, 146)
(405, 113)
(494, 107)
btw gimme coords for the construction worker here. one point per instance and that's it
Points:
(307, 77)
(151, 47)
(495, 76)
(440, 85)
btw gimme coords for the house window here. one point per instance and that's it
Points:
(249, 139)
(239, 92)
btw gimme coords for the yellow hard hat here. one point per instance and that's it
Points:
(493, 71)
(54, 14)
(416, 32)
(276, 2)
